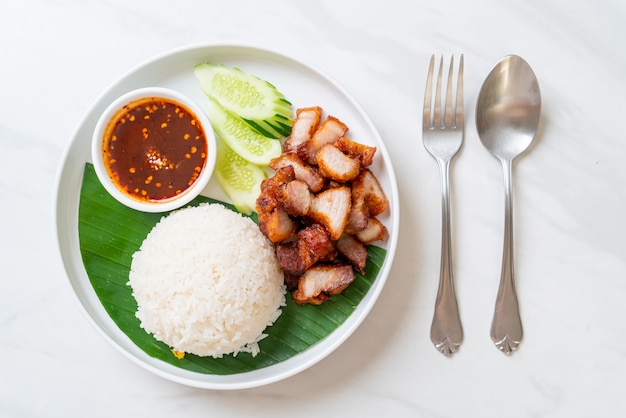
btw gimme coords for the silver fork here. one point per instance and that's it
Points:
(442, 139)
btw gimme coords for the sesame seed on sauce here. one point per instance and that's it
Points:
(155, 156)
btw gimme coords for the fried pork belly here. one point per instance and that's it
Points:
(331, 209)
(276, 225)
(295, 197)
(304, 125)
(321, 281)
(353, 250)
(375, 231)
(311, 245)
(362, 152)
(329, 131)
(271, 184)
(358, 216)
(273, 221)
(302, 170)
(335, 165)
(291, 260)
(366, 186)
(368, 200)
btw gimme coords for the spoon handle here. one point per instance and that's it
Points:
(446, 331)
(506, 328)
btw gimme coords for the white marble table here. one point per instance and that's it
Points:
(570, 195)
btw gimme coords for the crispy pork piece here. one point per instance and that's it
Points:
(312, 245)
(276, 224)
(357, 218)
(316, 240)
(366, 186)
(375, 231)
(271, 184)
(335, 165)
(331, 209)
(302, 170)
(304, 125)
(321, 281)
(295, 197)
(297, 297)
(273, 221)
(290, 259)
(353, 250)
(364, 153)
(368, 200)
(329, 131)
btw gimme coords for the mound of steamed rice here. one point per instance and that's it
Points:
(207, 282)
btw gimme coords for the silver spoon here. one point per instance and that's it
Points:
(507, 117)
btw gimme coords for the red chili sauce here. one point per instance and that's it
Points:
(154, 149)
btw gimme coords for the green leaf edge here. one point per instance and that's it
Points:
(107, 255)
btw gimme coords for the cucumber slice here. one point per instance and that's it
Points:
(240, 179)
(256, 101)
(240, 137)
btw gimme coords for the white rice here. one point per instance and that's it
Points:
(207, 282)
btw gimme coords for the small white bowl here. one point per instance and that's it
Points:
(112, 113)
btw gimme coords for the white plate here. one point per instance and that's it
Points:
(303, 86)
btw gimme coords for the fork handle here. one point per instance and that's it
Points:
(506, 327)
(446, 331)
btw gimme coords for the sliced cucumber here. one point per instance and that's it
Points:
(256, 101)
(240, 179)
(240, 137)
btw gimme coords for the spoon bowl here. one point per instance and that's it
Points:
(508, 108)
(507, 118)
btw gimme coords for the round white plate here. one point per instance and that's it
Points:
(303, 86)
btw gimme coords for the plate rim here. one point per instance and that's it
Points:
(257, 377)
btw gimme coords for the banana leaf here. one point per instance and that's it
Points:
(110, 233)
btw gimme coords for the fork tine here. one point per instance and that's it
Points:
(427, 120)
(437, 110)
(447, 113)
(459, 118)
